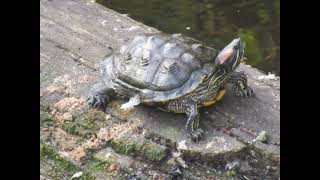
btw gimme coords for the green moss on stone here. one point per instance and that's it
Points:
(58, 167)
(123, 147)
(45, 119)
(85, 124)
(154, 152)
(100, 164)
(147, 149)
(49, 152)
(94, 115)
(75, 128)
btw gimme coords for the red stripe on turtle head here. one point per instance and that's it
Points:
(223, 56)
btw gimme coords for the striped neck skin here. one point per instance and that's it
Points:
(218, 77)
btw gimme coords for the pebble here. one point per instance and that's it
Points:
(67, 117)
(107, 117)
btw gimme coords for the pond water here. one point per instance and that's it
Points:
(215, 22)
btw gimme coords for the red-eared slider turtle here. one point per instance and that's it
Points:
(175, 73)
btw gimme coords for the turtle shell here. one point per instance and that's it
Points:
(162, 67)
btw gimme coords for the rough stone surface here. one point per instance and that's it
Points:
(74, 37)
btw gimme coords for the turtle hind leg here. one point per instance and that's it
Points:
(99, 96)
(192, 125)
(240, 85)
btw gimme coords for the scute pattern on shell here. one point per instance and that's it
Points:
(161, 66)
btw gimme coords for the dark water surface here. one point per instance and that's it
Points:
(215, 22)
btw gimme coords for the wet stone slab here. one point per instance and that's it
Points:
(74, 37)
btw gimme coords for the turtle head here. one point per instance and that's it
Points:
(229, 58)
(225, 63)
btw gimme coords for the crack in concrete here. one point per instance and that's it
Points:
(74, 56)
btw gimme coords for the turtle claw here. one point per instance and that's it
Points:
(197, 135)
(249, 91)
(200, 131)
(174, 171)
(98, 101)
(245, 93)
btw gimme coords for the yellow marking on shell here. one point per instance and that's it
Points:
(212, 101)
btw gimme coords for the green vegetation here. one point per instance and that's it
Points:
(85, 124)
(46, 119)
(153, 152)
(100, 164)
(56, 167)
(147, 149)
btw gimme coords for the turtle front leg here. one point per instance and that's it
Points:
(192, 125)
(99, 96)
(240, 85)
